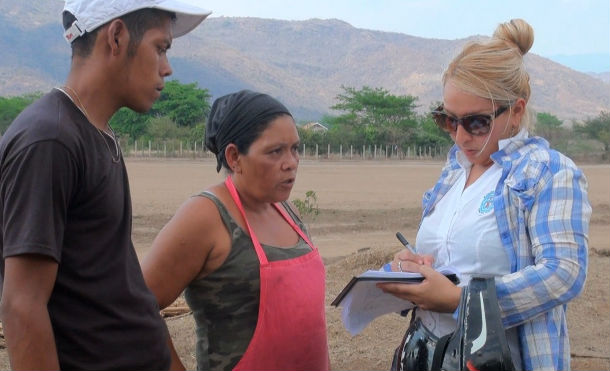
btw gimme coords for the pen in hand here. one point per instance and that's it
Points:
(405, 243)
(388, 267)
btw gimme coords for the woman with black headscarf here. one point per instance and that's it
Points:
(251, 275)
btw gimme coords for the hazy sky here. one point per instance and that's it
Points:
(562, 27)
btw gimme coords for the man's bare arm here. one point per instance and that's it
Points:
(28, 283)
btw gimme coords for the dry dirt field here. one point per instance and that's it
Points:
(362, 205)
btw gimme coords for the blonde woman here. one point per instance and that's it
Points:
(506, 205)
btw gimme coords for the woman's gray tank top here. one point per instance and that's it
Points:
(225, 303)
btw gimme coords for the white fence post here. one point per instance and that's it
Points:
(375, 151)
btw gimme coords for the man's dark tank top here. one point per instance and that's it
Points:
(225, 303)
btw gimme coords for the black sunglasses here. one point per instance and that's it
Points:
(478, 124)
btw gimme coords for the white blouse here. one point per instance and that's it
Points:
(461, 232)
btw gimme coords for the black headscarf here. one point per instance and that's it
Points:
(235, 115)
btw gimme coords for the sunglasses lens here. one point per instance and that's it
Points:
(474, 125)
(444, 122)
(477, 125)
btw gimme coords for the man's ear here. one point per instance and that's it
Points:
(117, 37)
(233, 158)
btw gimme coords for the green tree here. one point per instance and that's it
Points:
(129, 123)
(164, 128)
(376, 107)
(547, 121)
(11, 107)
(597, 128)
(430, 135)
(184, 104)
(376, 116)
(551, 128)
(197, 133)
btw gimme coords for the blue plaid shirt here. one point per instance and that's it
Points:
(543, 213)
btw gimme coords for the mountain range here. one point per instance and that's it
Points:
(303, 63)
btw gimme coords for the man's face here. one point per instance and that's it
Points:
(147, 68)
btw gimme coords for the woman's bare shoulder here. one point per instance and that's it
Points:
(199, 212)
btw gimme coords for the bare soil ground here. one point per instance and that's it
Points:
(362, 205)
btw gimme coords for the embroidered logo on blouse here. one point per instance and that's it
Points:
(487, 205)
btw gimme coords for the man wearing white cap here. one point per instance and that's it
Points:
(73, 293)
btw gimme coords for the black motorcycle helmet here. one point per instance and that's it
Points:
(416, 352)
(478, 343)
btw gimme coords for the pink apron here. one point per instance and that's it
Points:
(291, 329)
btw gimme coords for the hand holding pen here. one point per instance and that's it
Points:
(407, 257)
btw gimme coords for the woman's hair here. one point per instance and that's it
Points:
(494, 69)
(239, 118)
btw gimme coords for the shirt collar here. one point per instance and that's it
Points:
(463, 161)
(522, 134)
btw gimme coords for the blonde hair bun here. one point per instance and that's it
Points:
(518, 32)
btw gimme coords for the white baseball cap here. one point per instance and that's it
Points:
(91, 14)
